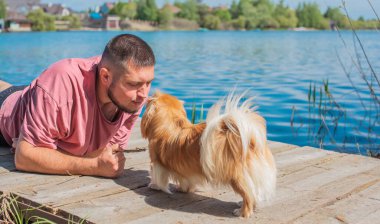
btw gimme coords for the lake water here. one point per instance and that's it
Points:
(277, 67)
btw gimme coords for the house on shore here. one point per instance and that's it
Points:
(17, 22)
(111, 22)
(58, 10)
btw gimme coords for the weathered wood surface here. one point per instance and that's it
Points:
(314, 186)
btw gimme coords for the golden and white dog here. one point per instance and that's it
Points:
(230, 148)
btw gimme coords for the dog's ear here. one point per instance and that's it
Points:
(157, 93)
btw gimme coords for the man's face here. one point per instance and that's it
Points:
(130, 91)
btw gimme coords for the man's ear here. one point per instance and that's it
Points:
(105, 76)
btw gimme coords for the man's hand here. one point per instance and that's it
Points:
(110, 161)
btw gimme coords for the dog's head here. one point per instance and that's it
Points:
(161, 109)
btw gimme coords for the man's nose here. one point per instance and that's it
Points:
(143, 91)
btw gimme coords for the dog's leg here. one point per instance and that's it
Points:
(241, 187)
(160, 178)
(185, 186)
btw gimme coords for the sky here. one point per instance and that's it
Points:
(355, 8)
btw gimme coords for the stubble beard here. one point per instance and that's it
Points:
(118, 105)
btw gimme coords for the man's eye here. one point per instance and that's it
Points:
(133, 84)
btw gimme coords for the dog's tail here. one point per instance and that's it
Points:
(234, 146)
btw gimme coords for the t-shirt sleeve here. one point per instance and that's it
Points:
(124, 133)
(43, 122)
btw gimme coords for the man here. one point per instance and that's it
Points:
(77, 116)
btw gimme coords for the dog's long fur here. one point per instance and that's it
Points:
(229, 149)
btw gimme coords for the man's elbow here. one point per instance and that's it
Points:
(21, 159)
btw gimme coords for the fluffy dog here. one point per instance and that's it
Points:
(230, 148)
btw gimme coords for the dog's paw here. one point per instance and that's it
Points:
(166, 190)
(154, 186)
(182, 189)
(240, 203)
(239, 212)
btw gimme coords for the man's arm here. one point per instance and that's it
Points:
(107, 162)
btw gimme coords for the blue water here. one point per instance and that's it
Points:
(201, 67)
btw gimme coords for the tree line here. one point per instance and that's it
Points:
(242, 14)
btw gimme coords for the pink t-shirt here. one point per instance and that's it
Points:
(60, 110)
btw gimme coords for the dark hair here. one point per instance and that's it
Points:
(127, 50)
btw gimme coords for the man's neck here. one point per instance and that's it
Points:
(108, 109)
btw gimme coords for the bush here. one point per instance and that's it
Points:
(41, 21)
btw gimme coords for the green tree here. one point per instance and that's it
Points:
(75, 22)
(309, 15)
(212, 22)
(203, 11)
(264, 14)
(41, 21)
(246, 9)
(125, 10)
(267, 3)
(239, 23)
(334, 14)
(257, 13)
(3, 9)
(246, 15)
(147, 10)
(189, 10)
(285, 16)
(223, 14)
(165, 16)
(234, 10)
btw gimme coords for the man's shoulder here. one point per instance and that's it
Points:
(72, 65)
(64, 77)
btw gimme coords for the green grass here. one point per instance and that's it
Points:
(326, 115)
(194, 118)
(11, 211)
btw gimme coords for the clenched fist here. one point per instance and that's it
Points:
(110, 161)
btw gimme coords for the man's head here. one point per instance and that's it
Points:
(126, 70)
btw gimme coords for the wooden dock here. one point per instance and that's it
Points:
(314, 186)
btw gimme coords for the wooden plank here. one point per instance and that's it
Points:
(291, 204)
(295, 204)
(24, 183)
(348, 210)
(311, 183)
(278, 147)
(216, 207)
(302, 154)
(97, 187)
(135, 204)
(135, 144)
(287, 193)
(137, 210)
(86, 187)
